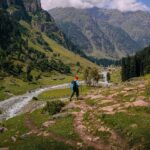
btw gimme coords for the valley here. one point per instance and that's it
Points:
(100, 55)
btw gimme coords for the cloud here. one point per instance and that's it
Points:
(122, 5)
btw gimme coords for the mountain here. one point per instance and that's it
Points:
(104, 33)
(31, 43)
(136, 24)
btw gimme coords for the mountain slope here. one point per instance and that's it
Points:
(119, 33)
(87, 27)
(136, 24)
(26, 45)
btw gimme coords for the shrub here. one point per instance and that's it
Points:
(1, 112)
(34, 98)
(147, 89)
(53, 107)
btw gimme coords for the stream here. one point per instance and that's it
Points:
(14, 105)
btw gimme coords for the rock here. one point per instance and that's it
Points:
(5, 148)
(113, 95)
(89, 139)
(95, 139)
(123, 92)
(140, 103)
(70, 106)
(134, 126)
(94, 97)
(24, 136)
(129, 89)
(127, 94)
(45, 134)
(48, 123)
(142, 86)
(102, 129)
(79, 144)
(61, 115)
(141, 98)
(13, 139)
(2, 129)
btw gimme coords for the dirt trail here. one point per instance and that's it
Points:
(89, 139)
(80, 128)
(41, 132)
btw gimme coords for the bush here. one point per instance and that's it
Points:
(147, 89)
(34, 98)
(1, 112)
(53, 107)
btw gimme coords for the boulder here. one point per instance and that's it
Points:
(5, 148)
(80, 145)
(13, 138)
(2, 129)
(61, 115)
(24, 136)
(48, 123)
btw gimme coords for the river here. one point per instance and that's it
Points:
(14, 106)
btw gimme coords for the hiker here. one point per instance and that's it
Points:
(75, 87)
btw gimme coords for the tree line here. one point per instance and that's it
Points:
(137, 65)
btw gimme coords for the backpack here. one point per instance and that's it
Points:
(74, 85)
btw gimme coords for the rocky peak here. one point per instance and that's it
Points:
(32, 5)
(29, 5)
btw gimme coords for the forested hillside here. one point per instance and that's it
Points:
(137, 65)
(25, 44)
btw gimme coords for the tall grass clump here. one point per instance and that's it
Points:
(53, 107)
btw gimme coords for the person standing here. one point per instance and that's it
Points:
(75, 87)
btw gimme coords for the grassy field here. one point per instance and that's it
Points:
(134, 125)
(10, 86)
(60, 93)
(15, 128)
(64, 127)
(40, 143)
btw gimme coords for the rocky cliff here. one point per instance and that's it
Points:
(32, 12)
(28, 5)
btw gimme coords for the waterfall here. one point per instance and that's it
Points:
(105, 76)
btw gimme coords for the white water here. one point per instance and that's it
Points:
(13, 106)
(105, 80)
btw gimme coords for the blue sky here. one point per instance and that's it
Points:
(147, 2)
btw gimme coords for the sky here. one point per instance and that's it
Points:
(122, 5)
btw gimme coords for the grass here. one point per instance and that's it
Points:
(68, 56)
(103, 134)
(147, 89)
(64, 127)
(60, 93)
(40, 143)
(90, 102)
(133, 125)
(15, 127)
(116, 76)
(39, 118)
(86, 116)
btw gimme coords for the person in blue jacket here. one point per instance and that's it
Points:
(75, 87)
